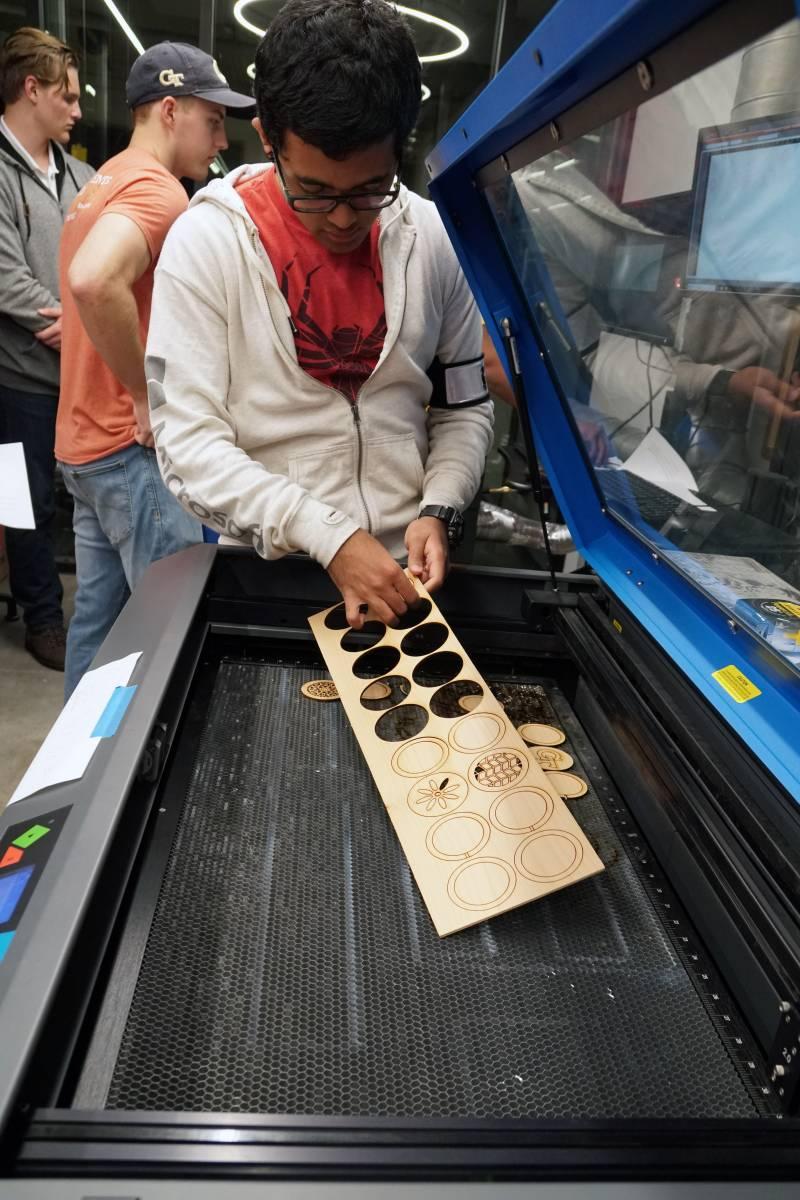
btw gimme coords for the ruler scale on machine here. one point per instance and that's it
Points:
(481, 824)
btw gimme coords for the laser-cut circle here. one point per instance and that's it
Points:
(378, 690)
(385, 693)
(370, 633)
(481, 883)
(447, 701)
(437, 794)
(320, 689)
(478, 731)
(437, 669)
(467, 703)
(541, 735)
(461, 836)
(377, 662)
(522, 810)
(420, 757)
(398, 724)
(337, 618)
(498, 769)
(414, 615)
(568, 785)
(548, 856)
(425, 639)
(550, 758)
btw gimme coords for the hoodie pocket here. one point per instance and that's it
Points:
(330, 475)
(393, 473)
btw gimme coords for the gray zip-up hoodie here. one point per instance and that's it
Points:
(31, 218)
(253, 445)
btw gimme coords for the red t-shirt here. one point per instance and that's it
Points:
(336, 300)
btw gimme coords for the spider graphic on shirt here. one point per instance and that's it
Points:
(347, 353)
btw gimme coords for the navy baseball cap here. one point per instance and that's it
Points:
(177, 69)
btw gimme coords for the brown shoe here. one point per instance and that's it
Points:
(47, 645)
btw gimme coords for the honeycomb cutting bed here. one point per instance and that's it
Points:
(292, 967)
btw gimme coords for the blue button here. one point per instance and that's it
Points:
(5, 942)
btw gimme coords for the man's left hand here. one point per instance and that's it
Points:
(428, 551)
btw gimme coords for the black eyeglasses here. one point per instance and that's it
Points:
(359, 201)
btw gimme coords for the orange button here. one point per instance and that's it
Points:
(11, 856)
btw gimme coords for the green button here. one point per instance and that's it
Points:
(30, 836)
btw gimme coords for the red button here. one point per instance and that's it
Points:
(11, 856)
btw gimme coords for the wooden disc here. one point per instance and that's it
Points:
(550, 758)
(467, 703)
(567, 784)
(320, 689)
(376, 691)
(541, 735)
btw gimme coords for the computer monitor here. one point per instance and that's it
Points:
(745, 235)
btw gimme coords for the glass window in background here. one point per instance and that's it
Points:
(13, 16)
(108, 38)
(660, 257)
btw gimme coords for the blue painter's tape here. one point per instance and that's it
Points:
(114, 711)
(5, 942)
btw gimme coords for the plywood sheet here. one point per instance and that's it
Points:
(482, 826)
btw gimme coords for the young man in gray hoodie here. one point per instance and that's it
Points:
(39, 93)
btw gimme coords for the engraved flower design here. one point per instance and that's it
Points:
(433, 795)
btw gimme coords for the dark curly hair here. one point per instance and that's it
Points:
(340, 74)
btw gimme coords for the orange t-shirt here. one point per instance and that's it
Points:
(95, 412)
(336, 300)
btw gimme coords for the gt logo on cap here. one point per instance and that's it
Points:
(171, 78)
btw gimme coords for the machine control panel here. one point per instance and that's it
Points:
(24, 851)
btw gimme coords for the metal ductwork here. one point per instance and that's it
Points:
(769, 80)
(501, 525)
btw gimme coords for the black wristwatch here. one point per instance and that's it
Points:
(452, 518)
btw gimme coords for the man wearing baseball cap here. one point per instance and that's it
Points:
(124, 516)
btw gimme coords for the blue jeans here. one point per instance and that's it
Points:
(31, 419)
(125, 519)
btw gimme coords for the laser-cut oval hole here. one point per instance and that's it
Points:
(400, 723)
(424, 639)
(448, 701)
(414, 615)
(377, 662)
(359, 639)
(437, 669)
(385, 693)
(336, 618)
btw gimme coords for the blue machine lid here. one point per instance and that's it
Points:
(622, 198)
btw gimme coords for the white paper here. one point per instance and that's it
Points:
(68, 748)
(655, 460)
(16, 510)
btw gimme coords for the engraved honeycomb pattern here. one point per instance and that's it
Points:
(498, 769)
(291, 966)
(321, 689)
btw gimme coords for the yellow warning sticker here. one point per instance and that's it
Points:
(785, 606)
(617, 625)
(736, 684)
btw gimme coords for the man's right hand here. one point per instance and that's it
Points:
(51, 334)
(366, 574)
(765, 389)
(141, 410)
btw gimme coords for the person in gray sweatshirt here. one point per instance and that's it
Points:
(39, 98)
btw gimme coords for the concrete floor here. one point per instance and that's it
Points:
(31, 698)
